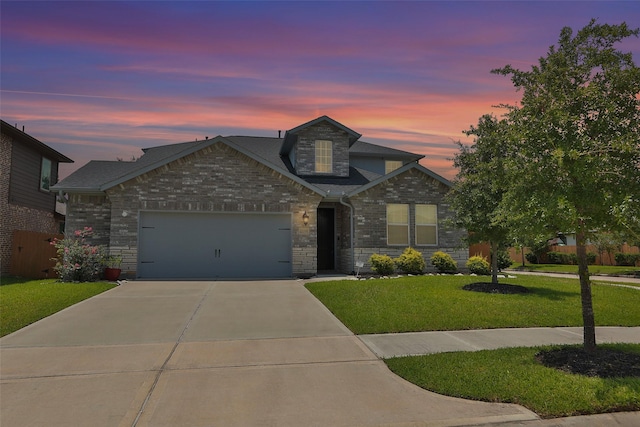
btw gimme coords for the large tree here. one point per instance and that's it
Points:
(480, 184)
(575, 147)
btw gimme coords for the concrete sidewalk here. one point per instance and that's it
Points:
(416, 343)
(212, 354)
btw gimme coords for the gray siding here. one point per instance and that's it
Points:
(24, 184)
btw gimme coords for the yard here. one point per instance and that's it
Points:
(23, 302)
(506, 375)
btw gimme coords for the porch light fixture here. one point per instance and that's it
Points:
(305, 218)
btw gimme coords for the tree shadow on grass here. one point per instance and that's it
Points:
(504, 288)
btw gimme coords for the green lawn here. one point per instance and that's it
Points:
(434, 303)
(512, 375)
(23, 302)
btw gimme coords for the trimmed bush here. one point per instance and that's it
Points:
(411, 261)
(382, 264)
(531, 257)
(627, 259)
(478, 265)
(504, 260)
(444, 263)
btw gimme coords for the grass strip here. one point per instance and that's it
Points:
(573, 269)
(438, 303)
(23, 302)
(513, 375)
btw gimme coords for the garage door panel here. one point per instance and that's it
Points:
(189, 245)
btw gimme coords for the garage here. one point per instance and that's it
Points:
(188, 245)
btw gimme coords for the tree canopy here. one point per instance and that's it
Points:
(574, 151)
(480, 184)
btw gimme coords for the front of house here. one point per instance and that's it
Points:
(317, 200)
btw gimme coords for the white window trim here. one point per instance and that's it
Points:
(388, 169)
(407, 224)
(40, 186)
(330, 155)
(425, 225)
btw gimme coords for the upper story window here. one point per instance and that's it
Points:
(391, 165)
(426, 225)
(324, 156)
(397, 224)
(45, 174)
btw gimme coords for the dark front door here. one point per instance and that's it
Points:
(326, 239)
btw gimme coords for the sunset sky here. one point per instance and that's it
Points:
(101, 80)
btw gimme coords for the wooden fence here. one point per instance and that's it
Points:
(31, 254)
(483, 249)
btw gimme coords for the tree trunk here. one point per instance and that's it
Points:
(585, 292)
(494, 263)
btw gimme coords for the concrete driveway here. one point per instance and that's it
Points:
(261, 353)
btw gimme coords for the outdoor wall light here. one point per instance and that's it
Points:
(305, 218)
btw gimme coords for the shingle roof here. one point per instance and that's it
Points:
(97, 176)
(25, 138)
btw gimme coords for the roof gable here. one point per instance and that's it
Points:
(98, 176)
(290, 136)
(397, 172)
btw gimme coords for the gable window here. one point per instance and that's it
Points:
(324, 156)
(45, 174)
(397, 224)
(391, 165)
(426, 225)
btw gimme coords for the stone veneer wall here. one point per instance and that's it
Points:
(412, 187)
(306, 154)
(214, 179)
(15, 217)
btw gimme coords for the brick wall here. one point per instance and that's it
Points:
(412, 187)
(215, 179)
(305, 149)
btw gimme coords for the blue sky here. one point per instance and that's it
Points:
(101, 80)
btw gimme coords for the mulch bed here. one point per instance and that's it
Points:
(604, 363)
(495, 288)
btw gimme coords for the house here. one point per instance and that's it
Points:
(316, 200)
(28, 169)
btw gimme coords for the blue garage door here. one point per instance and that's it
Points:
(185, 245)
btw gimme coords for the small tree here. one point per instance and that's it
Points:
(575, 148)
(480, 185)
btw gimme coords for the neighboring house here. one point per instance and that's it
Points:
(28, 168)
(316, 200)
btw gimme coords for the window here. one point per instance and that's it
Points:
(45, 174)
(391, 165)
(426, 225)
(324, 156)
(397, 224)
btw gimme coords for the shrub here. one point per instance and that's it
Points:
(554, 257)
(444, 263)
(411, 261)
(627, 259)
(77, 260)
(531, 257)
(591, 258)
(382, 264)
(478, 265)
(504, 260)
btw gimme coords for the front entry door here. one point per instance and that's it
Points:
(326, 239)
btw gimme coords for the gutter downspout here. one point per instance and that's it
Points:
(351, 236)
